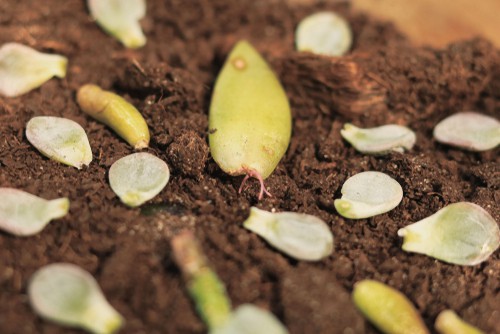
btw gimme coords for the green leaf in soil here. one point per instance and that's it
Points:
(120, 19)
(461, 233)
(368, 194)
(23, 69)
(24, 214)
(250, 121)
(301, 236)
(68, 295)
(138, 177)
(115, 112)
(448, 322)
(60, 139)
(469, 130)
(380, 140)
(324, 33)
(388, 309)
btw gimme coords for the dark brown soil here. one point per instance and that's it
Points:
(384, 80)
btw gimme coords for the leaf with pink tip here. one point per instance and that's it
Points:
(23, 214)
(469, 130)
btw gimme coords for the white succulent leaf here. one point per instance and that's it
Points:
(300, 236)
(68, 295)
(469, 130)
(60, 139)
(461, 233)
(368, 194)
(24, 214)
(379, 140)
(138, 177)
(23, 69)
(120, 18)
(324, 33)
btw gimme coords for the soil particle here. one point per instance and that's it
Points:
(384, 79)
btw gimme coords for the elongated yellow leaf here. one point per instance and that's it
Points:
(250, 119)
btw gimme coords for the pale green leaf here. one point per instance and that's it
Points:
(138, 177)
(387, 308)
(120, 18)
(324, 33)
(368, 194)
(68, 295)
(448, 322)
(60, 139)
(23, 214)
(469, 130)
(250, 319)
(460, 233)
(23, 69)
(300, 236)
(380, 140)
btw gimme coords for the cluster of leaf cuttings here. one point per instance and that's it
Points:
(23, 69)
(120, 19)
(138, 177)
(448, 322)
(301, 236)
(387, 308)
(380, 140)
(324, 33)
(249, 117)
(368, 194)
(203, 284)
(70, 296)
(115, 112)
(469, 130)
(60, 139)
(461, 233)
(250, 319)
(24, 214)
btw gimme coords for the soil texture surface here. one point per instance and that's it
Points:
(384, 79)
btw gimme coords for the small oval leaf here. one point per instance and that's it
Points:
(23, 69)
(448, 322)
(23, 214)
(324, 33)
(300, 236)
(250, 319)
(138, 177)
(368, 194)
(469, 130)
(460, 233)
(387, 308)
(120, 19)
(68, 295)
(60, 139)
(380, 140)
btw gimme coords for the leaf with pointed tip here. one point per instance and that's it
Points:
(300, 236)
(368, 194)
(60, 139)
(469, 130)
(23, 214)
(120, 18)
(460, 233)
(68, 295)
(324, 33)
(250, 319)
(380, 140)
(23, 69)
(138, 177)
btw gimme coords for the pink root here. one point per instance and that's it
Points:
(253, 173)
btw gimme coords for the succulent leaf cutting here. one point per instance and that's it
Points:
(24, 214)
(461, 233)
(250, 120)
(23, 69)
